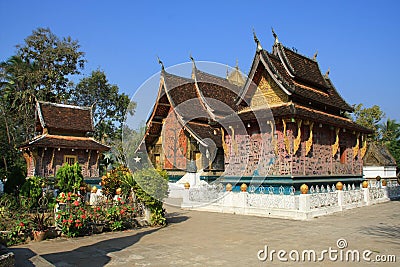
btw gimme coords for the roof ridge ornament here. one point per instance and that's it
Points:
(259, 47)
(194, 68)
(192, 59)
(327, 73)
(315, 56)
(275, 36)
(161, 63)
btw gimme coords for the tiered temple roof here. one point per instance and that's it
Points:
(64, 126)
(205, 98)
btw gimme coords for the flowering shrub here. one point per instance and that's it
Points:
(72, 216)
(18, 233)
(74, 219)
(119, 216)
(97, 214)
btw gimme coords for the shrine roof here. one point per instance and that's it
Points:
(183, 97)
(312, 86)
(62, 141)
(378, 155)
(217, 92)
(292, 110)
(62, 117)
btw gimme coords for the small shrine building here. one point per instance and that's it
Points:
(63, 136)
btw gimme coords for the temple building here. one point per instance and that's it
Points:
(62, 137)
(283, 124)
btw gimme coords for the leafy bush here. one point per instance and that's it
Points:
(32, 191)
(150, 187)
(70, 177)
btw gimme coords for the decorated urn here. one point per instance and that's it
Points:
(339, 186)
(187, 185)
(228, 187)
(304, 189)
(243, 187)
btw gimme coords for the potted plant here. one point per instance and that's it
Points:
(40, 225)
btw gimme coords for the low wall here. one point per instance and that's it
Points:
(319, 202)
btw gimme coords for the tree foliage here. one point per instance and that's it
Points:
(55, 60)
(390, 136)
(385, 132)
(109, 105)
(43, 68)
(369, 117)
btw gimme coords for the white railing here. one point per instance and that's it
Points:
(264, 202)
(271, 201)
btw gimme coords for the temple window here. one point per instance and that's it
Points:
(70, 159)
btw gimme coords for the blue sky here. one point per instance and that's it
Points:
(357, 40)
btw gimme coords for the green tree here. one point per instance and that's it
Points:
(369, 117)
(55, 61)
(109, 105)
(390, 136)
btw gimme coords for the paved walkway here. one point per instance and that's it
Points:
(195, 238)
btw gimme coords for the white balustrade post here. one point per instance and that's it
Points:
(185, 196)
(304, 202)
(243, 199)
(340, 197)
(385, 192)
(366, 196)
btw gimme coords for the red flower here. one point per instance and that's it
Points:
(21, 224)
(122, 212)
(64, 221)
(76, 203)
(83, 216)
(69, 194)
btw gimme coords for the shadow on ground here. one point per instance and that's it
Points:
(90, 255)
(96, 254)
(176, 217)
(390, 232)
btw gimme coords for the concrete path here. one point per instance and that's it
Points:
(195, 238)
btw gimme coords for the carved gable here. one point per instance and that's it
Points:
(267, 90)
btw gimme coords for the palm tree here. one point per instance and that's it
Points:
(390, 136)
(389, 131)
(18, 95)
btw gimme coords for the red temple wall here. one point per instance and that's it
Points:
(47, 168)
(254, 154)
